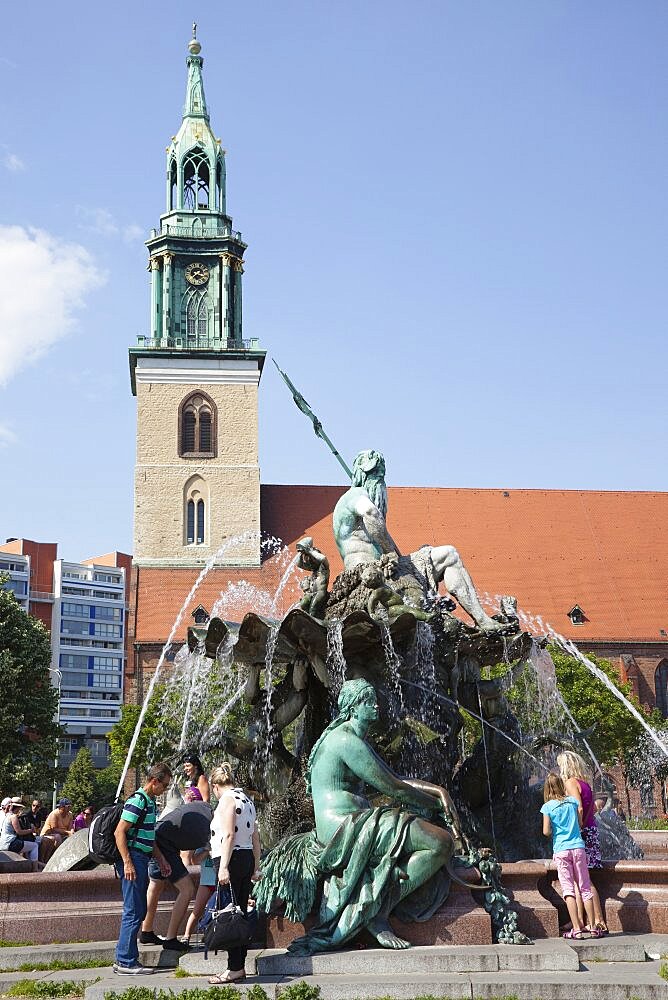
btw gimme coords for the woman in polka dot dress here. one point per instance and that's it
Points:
(235, 851)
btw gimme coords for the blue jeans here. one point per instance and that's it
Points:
(134, 908)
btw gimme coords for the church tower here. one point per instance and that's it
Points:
(197, 477)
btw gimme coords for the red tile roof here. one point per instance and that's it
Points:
(552, 549)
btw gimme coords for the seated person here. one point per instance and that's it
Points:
(58, 824)
(11, 834)
(83, 819)
(31, 821)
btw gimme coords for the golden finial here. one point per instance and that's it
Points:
(194, 46)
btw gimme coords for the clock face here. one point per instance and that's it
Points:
(197, 273)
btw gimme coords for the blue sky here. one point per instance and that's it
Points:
(456, 218)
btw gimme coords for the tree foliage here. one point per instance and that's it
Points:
(591, 703)
(28, 729)
(81, 785)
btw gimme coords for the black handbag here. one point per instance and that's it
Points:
(228, 927)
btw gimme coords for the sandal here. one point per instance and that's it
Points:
(574, 935)
(596, 931)
(226, 977)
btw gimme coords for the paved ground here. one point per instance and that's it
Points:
(619, 967)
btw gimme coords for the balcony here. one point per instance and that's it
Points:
(199, 344)
(203, 232)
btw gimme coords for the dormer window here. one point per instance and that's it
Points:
(200, 614)
(577, 615)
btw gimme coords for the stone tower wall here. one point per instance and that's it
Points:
(230, 482)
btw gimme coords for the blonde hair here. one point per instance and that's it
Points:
(571, 765)
(223, 774)
(553, 788)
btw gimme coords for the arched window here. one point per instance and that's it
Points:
(195, 181)
(197, 319)
(219, 187)
(172, 185)
(196, 496)
(197, 426)
(200, 522)
(661, 687)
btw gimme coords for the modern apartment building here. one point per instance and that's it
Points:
(87, 611)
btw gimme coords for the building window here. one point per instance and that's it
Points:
(661, 687)
(577, 615)
(200, 522)
(197, 319)
(99, 748)
(197, 427)
(196, 496)
(172, 185)
(192, 537)
(195, 181)
(110, 614)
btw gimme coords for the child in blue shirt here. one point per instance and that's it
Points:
(561, 821)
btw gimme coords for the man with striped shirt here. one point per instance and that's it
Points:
(135, 839)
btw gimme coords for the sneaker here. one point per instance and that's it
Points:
(173, 944)
(150, 937)
(132, 970)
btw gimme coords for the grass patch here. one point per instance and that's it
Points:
(300, 991)
(212, 993)
(663, 970)
(42, 990)
(60, 965)
(180, 973)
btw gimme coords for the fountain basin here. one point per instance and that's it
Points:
(46, 907)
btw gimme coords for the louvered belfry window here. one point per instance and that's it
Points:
(197, 427)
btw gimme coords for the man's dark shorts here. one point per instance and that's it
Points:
(179, 870)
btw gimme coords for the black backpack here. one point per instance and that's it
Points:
(102, 848)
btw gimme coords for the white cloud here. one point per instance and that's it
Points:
(43, 282)
(101, 222)
(132, 233)
(7, 436)
(13, 163)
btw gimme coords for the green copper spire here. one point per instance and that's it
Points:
(196, 257)
(195, 106)
(195, 159)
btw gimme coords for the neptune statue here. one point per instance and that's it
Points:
(361, 536)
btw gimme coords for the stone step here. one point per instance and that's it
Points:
(549, 955)
(99, 951)
(605, 981)
(615, 948)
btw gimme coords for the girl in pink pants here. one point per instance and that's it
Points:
(560, 820)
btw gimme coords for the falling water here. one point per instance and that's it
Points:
(290, 569)
(489, 783)
(393, 665)
(208, 566)
(538, 627)
(270, 649)
(485, 722)
(196, 681)
(336, 664)
(425, 668)
(227, 707)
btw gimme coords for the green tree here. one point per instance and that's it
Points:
(81, 785)
(28, 729)
(159, 734)
(591, 703)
